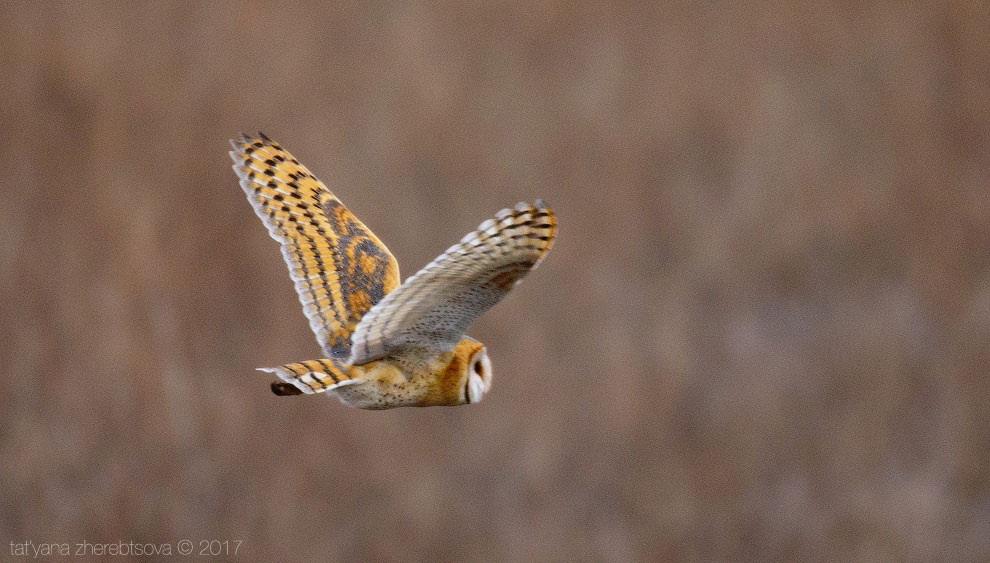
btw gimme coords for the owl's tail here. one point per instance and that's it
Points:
(309, 377)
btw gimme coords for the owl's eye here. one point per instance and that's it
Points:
(477, 367)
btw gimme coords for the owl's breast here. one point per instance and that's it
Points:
(386, 384)
(381, 385)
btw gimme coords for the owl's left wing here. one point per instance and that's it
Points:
(432, 309)
(340, 267)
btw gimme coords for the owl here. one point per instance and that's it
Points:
(385, 344)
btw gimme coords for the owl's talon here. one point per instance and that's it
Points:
(283, 389)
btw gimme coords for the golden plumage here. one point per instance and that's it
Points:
(387, 345)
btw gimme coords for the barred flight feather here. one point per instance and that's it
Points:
(339, 266)
(434, 307)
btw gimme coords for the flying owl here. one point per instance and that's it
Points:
(386, 344)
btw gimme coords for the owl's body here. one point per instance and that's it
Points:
(387, 345)
(436, 380)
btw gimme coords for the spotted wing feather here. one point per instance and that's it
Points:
(340, 268)
(434, 308)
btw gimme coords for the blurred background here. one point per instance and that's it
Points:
(762, 334)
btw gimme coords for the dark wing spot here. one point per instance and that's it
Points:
(506, 277)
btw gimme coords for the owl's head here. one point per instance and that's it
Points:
(469, 374)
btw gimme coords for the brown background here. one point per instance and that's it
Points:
(763, 332)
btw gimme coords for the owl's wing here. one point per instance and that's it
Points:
(340, 268)
(433, 308)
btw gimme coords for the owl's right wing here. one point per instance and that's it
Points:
(432, 309)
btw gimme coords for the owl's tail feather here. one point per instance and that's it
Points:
(309, 377)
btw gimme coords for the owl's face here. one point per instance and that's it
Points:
(467, 377)
(478, 377)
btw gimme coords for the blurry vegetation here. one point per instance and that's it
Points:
(763, 333)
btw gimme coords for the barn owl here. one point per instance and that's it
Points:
(386, 344)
